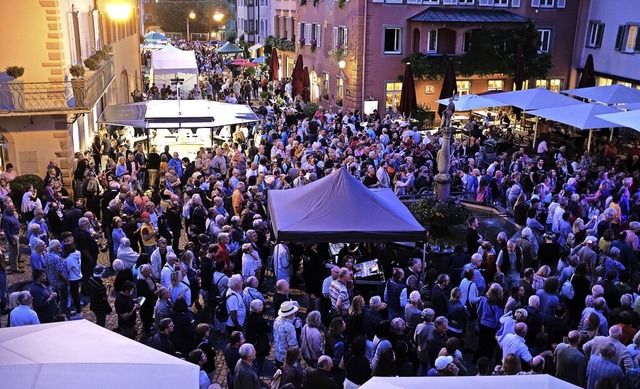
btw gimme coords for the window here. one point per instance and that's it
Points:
(501, 3)
(628, 39)
(464, 87)
(466, 44)
(544, 35)
(432, 44)
(555, 84)
(542, 84)
(339, 91)
(546, 4)
(495, 84)
(627, 84)
(340, 35)
(594, 37)
(392, 91)
(392, 40)
(604, 81)
(325, 86)
(465, 2)
(431, 2)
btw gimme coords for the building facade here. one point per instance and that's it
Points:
(354, 48)
(253, 23)
(609, 30)
(48, 115)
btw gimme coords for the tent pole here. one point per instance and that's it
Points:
(610, 134)
(589, 141)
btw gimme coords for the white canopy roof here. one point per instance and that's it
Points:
(543, 381)
(530, 99)
(80, 354)
(171, 60)
(629, 119)
(608, 94)
(471, 101)
(582, 116)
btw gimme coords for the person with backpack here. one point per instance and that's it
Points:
(234, 304)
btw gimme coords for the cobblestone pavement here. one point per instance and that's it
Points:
(21, 281)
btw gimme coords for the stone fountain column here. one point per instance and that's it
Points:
(443, 179)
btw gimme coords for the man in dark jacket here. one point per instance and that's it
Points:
(319, 378)
(161, 341)
(245, 377)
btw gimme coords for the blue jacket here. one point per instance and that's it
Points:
(176, 164)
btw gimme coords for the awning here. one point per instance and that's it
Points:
(466, 15)
(167, 114)
(608, 94)
(256, 47)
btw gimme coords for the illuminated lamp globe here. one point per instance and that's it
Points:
(342, 64)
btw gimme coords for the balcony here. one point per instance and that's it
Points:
(73, 96)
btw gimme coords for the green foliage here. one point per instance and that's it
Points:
(91, 63)
(447, 212)
(14, 71)
(279, 43)
(310, 109)
(422, 116)
(491, 51)
(342, 3)
(172, 15)
(22, 183)
(77, 71)
(251, 72)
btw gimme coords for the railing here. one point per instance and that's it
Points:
(73, 95)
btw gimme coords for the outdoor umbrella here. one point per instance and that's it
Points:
(530, 99)
(471, 101)
(630, 119)
(274, 66)
(230, 48)
(408, 94)
(155, 37)
(297, 76)
(518, 77)
(588, 77)
(449, 85)
(609, 94)
(306, 85)
(582, 116)
(244, 63)
(260, 59)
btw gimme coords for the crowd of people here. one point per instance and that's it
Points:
(193, 257)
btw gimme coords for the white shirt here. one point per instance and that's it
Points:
(235, 302)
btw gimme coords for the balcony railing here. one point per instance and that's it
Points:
(58, 96)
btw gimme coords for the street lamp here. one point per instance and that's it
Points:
(218, 16)
(342, 64)
(192, 15)
(118, 11)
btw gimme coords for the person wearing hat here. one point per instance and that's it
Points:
(98, 293)
(284, 331)
(443, 366)
(147, 234)
(586, 253)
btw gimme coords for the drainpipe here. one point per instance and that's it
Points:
(364, 50)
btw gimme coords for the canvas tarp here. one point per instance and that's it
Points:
(542, 381)
(80, 354)
(339, 208)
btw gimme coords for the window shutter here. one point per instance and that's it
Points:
(95, 18)
(307, 34)
(318, 34)
(300, 30)
(346, 35)
(561, 3)
(515, 3)
(335, 36)
(377, 1)
(485, 3)
(72, 39)
(449, 2)
(82, 29)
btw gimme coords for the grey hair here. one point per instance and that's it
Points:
(143, 268)
(83, 221)
(33, 227)
(314, 319)
(375, 301)
(526, 232)
(246, 350)
(222, 235)
(23, 296)
(125, 242)
(234, 281)
(614, 252)
(255, 305)
(54, 244)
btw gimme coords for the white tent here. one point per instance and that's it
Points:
(171, 62)
(80, 354)
(608, 94)
(471, 101)
(491, 382)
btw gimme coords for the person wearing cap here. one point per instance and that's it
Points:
(98, 293)
(586, 254)
(147, 234)
(443, 366)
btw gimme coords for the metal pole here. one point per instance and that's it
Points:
(610, 134)
(589, 141)
(188, 29)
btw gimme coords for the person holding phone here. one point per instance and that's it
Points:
(127, 308)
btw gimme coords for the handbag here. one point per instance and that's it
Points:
(567, 289)
(473, 312)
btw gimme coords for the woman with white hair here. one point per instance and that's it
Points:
(311, 339)
(413, 310)
(256, 332)
(251, 262)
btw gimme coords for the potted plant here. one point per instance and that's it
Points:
(302, 43)
(92, 63)
(314, 45)
(342, 3)
(16, 87)
(441, 214)
(77, 83)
